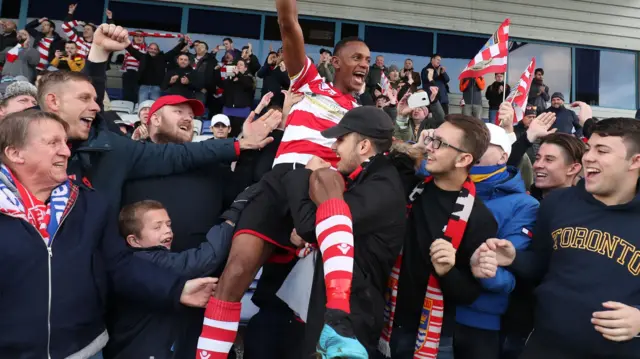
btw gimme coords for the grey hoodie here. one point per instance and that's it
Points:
(24, 65)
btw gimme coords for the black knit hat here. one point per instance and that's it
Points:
(557, 95)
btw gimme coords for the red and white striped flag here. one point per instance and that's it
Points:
(12, 55)
(492, 58)
(520, 93)
(527, 232)
(384, 84)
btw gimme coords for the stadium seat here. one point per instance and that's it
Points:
(206, 128)
(200, 138)
(197, 127)
(122, 106)
(128, 118)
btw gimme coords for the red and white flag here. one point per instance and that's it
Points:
(384, 84)
(527, 232)
(492, 58)
(12, 55)
(520, 93)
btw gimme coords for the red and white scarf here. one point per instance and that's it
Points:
(45, 218)
(428, 336)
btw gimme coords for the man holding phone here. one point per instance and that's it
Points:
(68, 59)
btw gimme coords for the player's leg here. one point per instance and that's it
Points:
(334, 231)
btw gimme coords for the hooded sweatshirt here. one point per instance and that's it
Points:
(591, 254)
(502, 190)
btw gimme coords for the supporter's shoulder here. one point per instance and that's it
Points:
(560, 195)
(480, 213)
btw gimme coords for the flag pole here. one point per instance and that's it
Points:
(504, 88)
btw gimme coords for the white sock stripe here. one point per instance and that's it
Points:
(220, 324)
(336, 238)
(339, 263)
(214, 345)
(333, 221)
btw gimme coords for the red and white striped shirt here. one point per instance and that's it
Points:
(83, 45)
(130, 62)
(322, 107)
(223, 76)
(43, 49)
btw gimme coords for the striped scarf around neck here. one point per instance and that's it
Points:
(428, 336)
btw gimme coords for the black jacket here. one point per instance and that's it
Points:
(178, 88)
(494, 96)
(378, 229)
(54, 301)
(566, 120)
(137, 331)
(8, 40)
(153, 68)
(274, 80)
(107, 159)
(202, 76)
(56, 44)
(239, 90)
(253, 64)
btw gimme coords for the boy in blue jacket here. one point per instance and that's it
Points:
(137, 331)
(502, 190)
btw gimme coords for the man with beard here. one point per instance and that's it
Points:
(566, 120)
(266, 225)
(194, 199)
(20, 60)
(85, 39)
(46, 40)
(105, 159)
(177, 81)
(539, 92)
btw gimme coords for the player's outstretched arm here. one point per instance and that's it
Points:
(292, 38)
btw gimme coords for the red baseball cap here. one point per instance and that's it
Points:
(196, 106)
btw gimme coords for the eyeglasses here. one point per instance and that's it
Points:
(436, 143)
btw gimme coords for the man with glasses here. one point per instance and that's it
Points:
(433, 269)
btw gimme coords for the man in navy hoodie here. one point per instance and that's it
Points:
(585, 249)
(502, 190)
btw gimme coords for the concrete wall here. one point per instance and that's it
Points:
(610, 23)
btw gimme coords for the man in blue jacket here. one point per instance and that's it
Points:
(502, 190)
(60, 252)
(105, 160)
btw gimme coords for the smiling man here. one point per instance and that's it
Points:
(106, 159)
(557, 164)
(266, 226)
(585, 250)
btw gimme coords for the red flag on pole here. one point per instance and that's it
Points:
(492, 58)
(520, 93)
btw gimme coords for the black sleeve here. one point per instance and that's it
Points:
(264, 71)
(254, 65)
(31, 29)
(532, 263)
(518, 149)
(459, 285)
(135, 53)
(365, 208)
(165, 82)
(97, 72)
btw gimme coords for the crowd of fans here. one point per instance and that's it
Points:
(382, 228)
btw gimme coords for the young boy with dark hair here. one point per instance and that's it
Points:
(137, 330)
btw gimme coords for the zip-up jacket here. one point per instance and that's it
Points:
(52, 298)
(515, 212)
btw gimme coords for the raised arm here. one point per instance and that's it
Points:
(291, 34)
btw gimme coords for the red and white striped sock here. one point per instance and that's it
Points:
(334, 230)
(221, 320)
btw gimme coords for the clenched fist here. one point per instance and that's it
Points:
(111, 38)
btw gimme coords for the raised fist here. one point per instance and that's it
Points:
(72, 8)
(111, 38)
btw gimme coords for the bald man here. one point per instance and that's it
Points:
(8, 37)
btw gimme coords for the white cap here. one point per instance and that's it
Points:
(220, 118)
(499, 137)
(144, 104)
